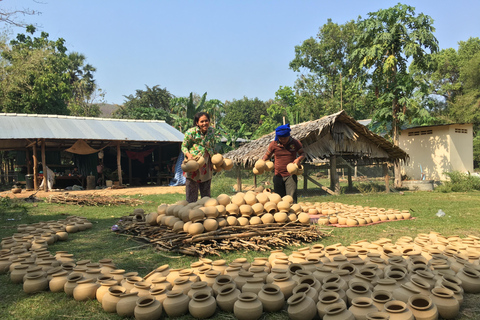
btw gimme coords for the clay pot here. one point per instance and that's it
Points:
(190, 166)
(338, 311)
(176, 303)
(103, 288)
(217, 159)
(127, 303)
(202, 305)
(326, 299)
(398, 310)
(248, 307)
(470, 279)
(34, 283)
(378, 316)
(111, 298)
(300, 307)
(253, 285)
(285, 284)
(271, 297)
(422, 307)
(148, 308)
(72, 283)
(18, 273)
(85, 290)
(227, 296)
(221, 281)
(447, 306)
(404, 292)
(361, 306)
(380, 297)
(199, 286)
(57, 283)
(357, 290)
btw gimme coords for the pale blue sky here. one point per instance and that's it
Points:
(229, 49)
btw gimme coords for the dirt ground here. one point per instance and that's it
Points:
(101, 192)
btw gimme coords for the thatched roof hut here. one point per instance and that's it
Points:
(337, 134)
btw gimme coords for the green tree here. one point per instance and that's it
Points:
(325, 84)
(38, 76)
(246, 111)
(386, 43)
(153, 103)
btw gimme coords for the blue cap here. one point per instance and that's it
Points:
(282, 131)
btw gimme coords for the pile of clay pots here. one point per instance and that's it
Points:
(262, 166)
(209, 214)
(424, 277)
(335, 213)
(219, 163)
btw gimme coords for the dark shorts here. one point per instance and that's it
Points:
(286, 186)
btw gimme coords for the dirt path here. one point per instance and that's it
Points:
(101, 192)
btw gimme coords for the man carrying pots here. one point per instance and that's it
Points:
(285, 150)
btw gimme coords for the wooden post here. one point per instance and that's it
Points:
(35, 166)
(387, 178)
(255, 180)
(239, 179)
(119, 164)
(129, 169)
(27, 160)
(349, 172)
(305, 175)
(44, 167)
(334, 182)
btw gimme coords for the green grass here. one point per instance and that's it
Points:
(462, 218)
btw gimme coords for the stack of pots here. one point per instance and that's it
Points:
(210, 214)
(335, 213)
(424, 277)
(262, 166)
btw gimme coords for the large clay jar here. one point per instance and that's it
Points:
(202, 305)
(127, 303)
(220, 281)
(72, 283)
(248, 307)
(57, 283)
(34, 283)
(111, 298)
(326, 299)
(470, 279)
(129, 283)
(356, 290)
(285, 284)
(18, 273)
(271, 297)
(103, 289)
(448, 307)
(398, 310)
(85, 290)
(253, 285)
(422, 307)
(227, 295)
(176, 303)
(148, 308)
(361, 306)
(338, 311)
(183, 284)
(242, 278)
(380, 297)
(301, 307)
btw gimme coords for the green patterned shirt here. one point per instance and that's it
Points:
(197, 143)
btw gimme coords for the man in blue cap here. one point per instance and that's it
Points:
(285, 150)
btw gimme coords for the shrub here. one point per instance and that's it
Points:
(459, 182)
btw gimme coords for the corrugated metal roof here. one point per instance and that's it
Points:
(38, 126)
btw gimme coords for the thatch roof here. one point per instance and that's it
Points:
(336, 134)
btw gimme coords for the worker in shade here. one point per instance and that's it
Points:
(284, 150)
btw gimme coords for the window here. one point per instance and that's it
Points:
(419, 133)
(458, 130)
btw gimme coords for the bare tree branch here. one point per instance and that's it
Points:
(11, 16)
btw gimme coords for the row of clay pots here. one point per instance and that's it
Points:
(412, 274)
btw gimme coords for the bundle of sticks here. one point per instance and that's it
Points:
(92, 200)
(263, 237)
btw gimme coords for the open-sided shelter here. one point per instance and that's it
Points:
(326, 139)
(137, 148)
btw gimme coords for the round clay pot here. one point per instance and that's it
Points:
(227, 296)
(338, 311)
(285, 283)
(272, 298)
(202, 305)
(34, 283)
(447, 306)
(470, 279)
(127, 303)
(199, 286)
(248, 307)
(326, 299)
(361, 306)
(300, 307)
(217, 159)
(85, 290)
(176, 303)
(422, 307)
(148, 308)
(111, 298)
(398, 310)
(103, 289)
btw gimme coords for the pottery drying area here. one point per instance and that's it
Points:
(424, 277)
(258, 220)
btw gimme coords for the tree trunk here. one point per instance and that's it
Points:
(396, 135)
